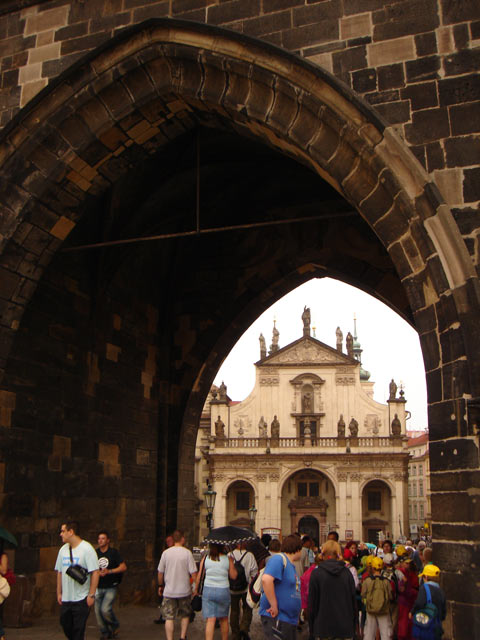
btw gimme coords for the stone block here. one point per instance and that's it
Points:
(452, 345)
(449, 182)
(391, 51)
(316, 13)
(426, 44)
(268, 23)
(421, 96)
(404, 18)
(435, 157)
(428, 125)
(462, 151)
(46, 20)
(471, 185)
(300, 37)
(395, 112)
(390, 77)
(143, 457)
(445, 41)
(454, 454)
(423, 69)
(349, 60)
(47, 558)
(40, 54)
(355, 26)
(233, 10)
(459, 90)
(454, 11)
(465, 118)
(364, 80)
(72, 31)
(84, 43)
(466, 61)
(108, 453)
(30, 90)
(29, 73)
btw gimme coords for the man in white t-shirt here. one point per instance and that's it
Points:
(74, 598)
(176, 569)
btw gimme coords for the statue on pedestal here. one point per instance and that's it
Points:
(275, 336)
(393, 390)
(341, 427)
(353, 427)
(275, 427)
(219, 428)
(262, 428)
(263, 347)
(396, 426)
(349, 342)
(222, 391)
(307, 402)
(339, 336)
(306, 317)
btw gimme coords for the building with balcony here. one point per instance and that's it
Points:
(419, 485)
(309, 446)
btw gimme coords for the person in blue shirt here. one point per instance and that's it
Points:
(281, 603)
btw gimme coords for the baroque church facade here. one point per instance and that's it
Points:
(309, 447)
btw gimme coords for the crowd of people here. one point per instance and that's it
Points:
(350, 591)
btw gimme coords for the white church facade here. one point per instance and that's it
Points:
(309, 447)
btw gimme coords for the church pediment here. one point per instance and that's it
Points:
(307, 351)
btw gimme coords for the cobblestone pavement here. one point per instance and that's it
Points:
(136, 623)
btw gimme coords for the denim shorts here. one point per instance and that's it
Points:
(215, 602)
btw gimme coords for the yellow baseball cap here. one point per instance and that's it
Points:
(369, 560)
(377, 563)
(400, 550)
(430, 571)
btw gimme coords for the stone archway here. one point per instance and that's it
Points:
(376, 511)
(114, 109)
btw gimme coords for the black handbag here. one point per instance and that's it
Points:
(197, 598)
(76, 571)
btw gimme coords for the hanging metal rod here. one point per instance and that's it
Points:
(199, 232)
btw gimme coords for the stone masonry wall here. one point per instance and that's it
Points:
(415, 61)
(82, 440)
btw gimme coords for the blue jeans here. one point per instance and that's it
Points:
(106, 619)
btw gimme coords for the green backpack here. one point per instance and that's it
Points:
(378, 596)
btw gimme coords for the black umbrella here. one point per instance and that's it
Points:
(229, 535)
(8, 537)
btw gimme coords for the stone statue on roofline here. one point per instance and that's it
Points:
(275, 337)
(349, 343)
(275, 427)
(339, 336)
(353, 428)
(262, 428)
(392, 390)
(222, 392)
(306, 317)
(219, 428)
(341, 427)
(263, 347)
(396, 426)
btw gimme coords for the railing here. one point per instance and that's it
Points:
(290, 442)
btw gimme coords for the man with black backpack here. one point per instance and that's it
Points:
(247, 568)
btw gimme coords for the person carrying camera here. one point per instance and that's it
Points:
(77, 580)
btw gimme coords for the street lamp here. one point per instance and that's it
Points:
(252, 512)
(210, 496)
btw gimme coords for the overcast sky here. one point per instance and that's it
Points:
(391, 348)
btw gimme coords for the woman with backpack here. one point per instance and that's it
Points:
(217, 567)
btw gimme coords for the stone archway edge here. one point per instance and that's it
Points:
(305, 76)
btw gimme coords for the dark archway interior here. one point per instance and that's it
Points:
(119, 346)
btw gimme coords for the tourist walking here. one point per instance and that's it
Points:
(112, 568)
(377, 595)
(217, 568)
(280, 604)
(175, 569)
(240, 612)
(332, 607)
(77, 580)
